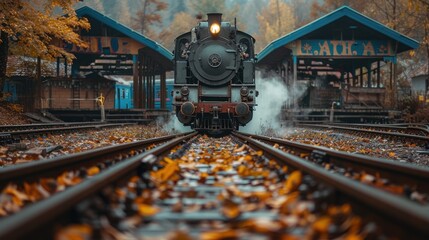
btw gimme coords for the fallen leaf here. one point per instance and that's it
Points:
(240, 149)
(74, 232)
(293, 181)
(230, 209)
(321, 225)
(167, 173)
(93, 171)
(217, 235)
(18, 197)
(147, 210)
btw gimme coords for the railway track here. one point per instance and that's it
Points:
(35, 222)
(407, 180)
(10, 128)
(219, 189)
(16, 134)
(48, 176)
(420, 130)
(409, 137)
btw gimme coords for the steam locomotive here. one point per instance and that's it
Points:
(214, 82)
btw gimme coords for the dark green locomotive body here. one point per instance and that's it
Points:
(214, 85)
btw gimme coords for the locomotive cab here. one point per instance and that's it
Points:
(214, 88)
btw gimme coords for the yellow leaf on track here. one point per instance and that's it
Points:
(92, 171)
(321, 225)
(223, 234)
(147, 210)
(293, 181)
(74, 232)
(169, 172)
(230, 209)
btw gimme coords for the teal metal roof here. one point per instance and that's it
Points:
(81, 12)
(405, 42)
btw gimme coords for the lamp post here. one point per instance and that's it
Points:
(100, 101)
(331, 117)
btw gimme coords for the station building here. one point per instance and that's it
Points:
(342, 62)
(114, 51)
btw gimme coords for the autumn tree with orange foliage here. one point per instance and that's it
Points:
(275, 20)
(182, 22)
(196, 11)
(319, 9)
(28, 28)
(409, 17)
(421, 9)
(149, 16)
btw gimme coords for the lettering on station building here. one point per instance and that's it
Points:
(115, 45)
(341, 48)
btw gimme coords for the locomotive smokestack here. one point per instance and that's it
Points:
(214, 18)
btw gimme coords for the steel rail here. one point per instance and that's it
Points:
(61, 129)
(5, 128)
(14, 136)
(396, 172)
(422, 125)
(397, 135)
(404, 213)
(46, 167)
(35, 216)
(384, 126)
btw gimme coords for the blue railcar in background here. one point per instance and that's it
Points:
(124, 95)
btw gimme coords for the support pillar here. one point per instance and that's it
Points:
(369, 73)
(163, 89)
(135, 81)
(286, 73)
(143, 83)
(58, 66)
(354, 82)
(37, 86)
(152, 84)
(295, 79)
(65, 67)
(378, 74)
(395, 85)
(142, 88)
(361, 76)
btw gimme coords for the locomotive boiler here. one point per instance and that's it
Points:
(214, 84)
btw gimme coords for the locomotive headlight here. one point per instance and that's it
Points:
(215, 28)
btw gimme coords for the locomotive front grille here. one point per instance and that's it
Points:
(210, 124)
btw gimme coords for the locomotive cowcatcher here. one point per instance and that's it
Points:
(214, 85)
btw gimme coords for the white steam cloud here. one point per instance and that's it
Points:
(273, 94)
(173, 125)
